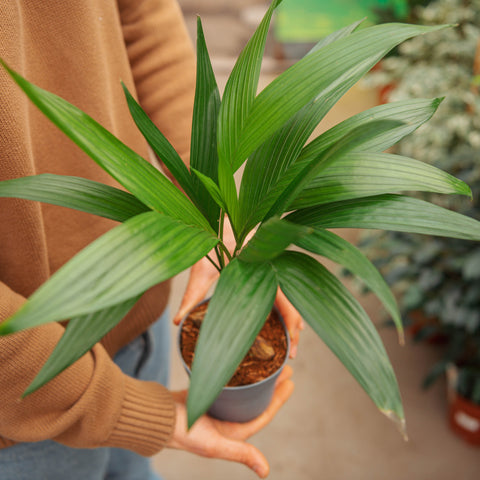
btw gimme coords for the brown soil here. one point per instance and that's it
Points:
(252, 369)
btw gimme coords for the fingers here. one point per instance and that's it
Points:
(202, 277)
(242, 452)
(293, 321)
(285, 374)
(242, 431)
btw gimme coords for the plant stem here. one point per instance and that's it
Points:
(220, 258)
(225, 250)
(218, 250)
(213, 263)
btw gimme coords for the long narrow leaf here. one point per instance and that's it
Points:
(81, 334)
(390, 212)
(409, 113)
(203, 151)
(404, 117)
(160, 145)
(241, 89)
(340, 321)
(335, 248)
(121, 264)
(237, 311)
(238, 97)
(76, 193)
(213, 190)
(228, 189)
(307, 78)
(267, 164)
(122, 163)
(271, 239)
(366, 174)
(299, 176)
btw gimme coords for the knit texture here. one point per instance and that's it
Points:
(81, 51)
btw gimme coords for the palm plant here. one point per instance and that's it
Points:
(291, 192)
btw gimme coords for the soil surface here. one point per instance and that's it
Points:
(252, 368)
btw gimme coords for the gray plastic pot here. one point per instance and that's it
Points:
(246, 402)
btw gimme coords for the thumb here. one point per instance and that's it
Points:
(201, 279)
(243, 452)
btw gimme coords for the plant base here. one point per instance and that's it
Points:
(250, 390)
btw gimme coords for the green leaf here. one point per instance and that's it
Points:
(302, 82)
(236, 313)
(127, 167)
(335, 248)
(409, 113)
(241, 89)
(160, 145)
(228, 189)
(302, 172)
(203, 151)
(212, 189)
(238, 97)
(76, 193)
(390, 212)
(271, 239)
(340, 321)
(365, 174)
(268, 163)
(121, 264)
(81, 334)
(257, 194)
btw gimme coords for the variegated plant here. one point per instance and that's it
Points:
(291, 193)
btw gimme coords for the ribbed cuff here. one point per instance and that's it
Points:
(147, 418)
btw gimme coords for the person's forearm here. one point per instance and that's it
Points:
(90, 404)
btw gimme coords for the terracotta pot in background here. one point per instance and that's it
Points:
(463, 415)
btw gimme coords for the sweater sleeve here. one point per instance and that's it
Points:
(91, 404)
(163, 65)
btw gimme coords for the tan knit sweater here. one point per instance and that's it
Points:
(81, 50)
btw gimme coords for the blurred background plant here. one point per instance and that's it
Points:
(390, 12)
(437, 280)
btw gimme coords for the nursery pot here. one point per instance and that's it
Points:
(463, 415)
(245, 402)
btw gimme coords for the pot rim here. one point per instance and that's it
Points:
(238, 387)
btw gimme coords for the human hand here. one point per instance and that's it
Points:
(202, 276)
(293, 320)
(213, 438)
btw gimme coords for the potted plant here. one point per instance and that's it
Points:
(291, 193)
(463, 383)
(249, 391)
(437, 279)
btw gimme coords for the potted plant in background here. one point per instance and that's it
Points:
(438, 279)
(291, 192)
(463, 384)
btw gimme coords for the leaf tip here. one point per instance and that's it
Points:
(6, 328)
(192, 416)
(30, 389)
(437, 101)
(398, 421)
(10, 71)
